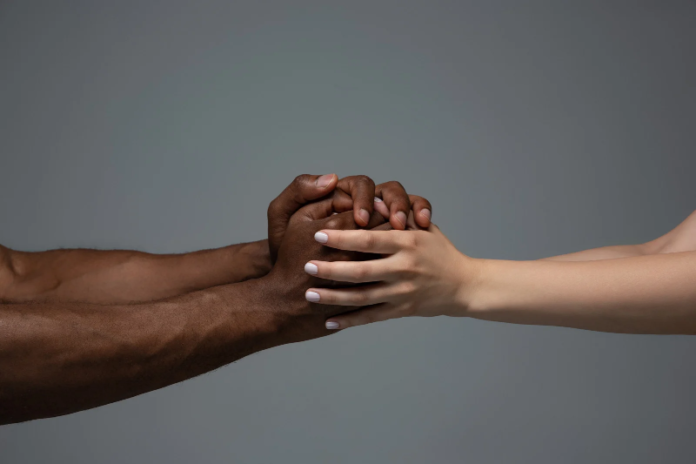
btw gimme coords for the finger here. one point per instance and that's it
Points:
(343, 221)
(365, 295)
(380, 312)
(366, 241)
(377, 220)
(318, 210)
(303, 189)
(362, 191)
(342, 201)
(352, 271)
(422, 210)
(381, 207)
(397, 201)
(385, 226)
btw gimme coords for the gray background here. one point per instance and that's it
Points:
(535, 130)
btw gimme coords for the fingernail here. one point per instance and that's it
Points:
(321, 237)
(378, 200)
(426, 212)
(364, 216)
(332, 325)
(401, 217)
(311, 269)
(324, 180)
(312, 297)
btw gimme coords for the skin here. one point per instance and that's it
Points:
(122, 276)
(646, 288)
(81, 328)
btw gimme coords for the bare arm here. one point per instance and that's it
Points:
(645, 294)
(422, 274)
(58, 358)
(115, 277)
(681, 238)
(61, 357)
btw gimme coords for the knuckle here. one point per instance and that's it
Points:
(358, 272)
(364, 179)
(409, 264)
(326, 271)
(273, 207)
(299, 180)
(406, 288)
(419, 237)
(332, 224)
(409, 309)
(409, 240)
(368, 240)
(359, 298)
(395, 184)
(407, 274)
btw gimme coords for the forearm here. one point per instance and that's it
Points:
(113, 277)
(647, 294)
(60, 358)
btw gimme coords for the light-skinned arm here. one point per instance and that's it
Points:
(423, 274)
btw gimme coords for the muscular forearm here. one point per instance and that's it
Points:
(113, 277)
(60, 358)
(646, 294)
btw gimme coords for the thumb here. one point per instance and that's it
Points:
(302, 190)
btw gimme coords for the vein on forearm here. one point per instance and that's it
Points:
(57, 358)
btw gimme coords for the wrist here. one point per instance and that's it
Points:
(471, 292)
(252, 311)
(258, 255)
(281, 310)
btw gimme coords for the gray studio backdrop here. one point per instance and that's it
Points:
(169, 126)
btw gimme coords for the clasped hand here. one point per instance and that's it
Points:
(369, 253)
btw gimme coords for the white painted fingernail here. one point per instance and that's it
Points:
(378, 200)
(332, 325)
(312, 297)
(310, 268)
(321, 237)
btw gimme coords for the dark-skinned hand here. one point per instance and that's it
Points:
(355, 193)
(285, 285)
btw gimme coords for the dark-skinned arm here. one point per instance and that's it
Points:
(58, 358)
(123, 276)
